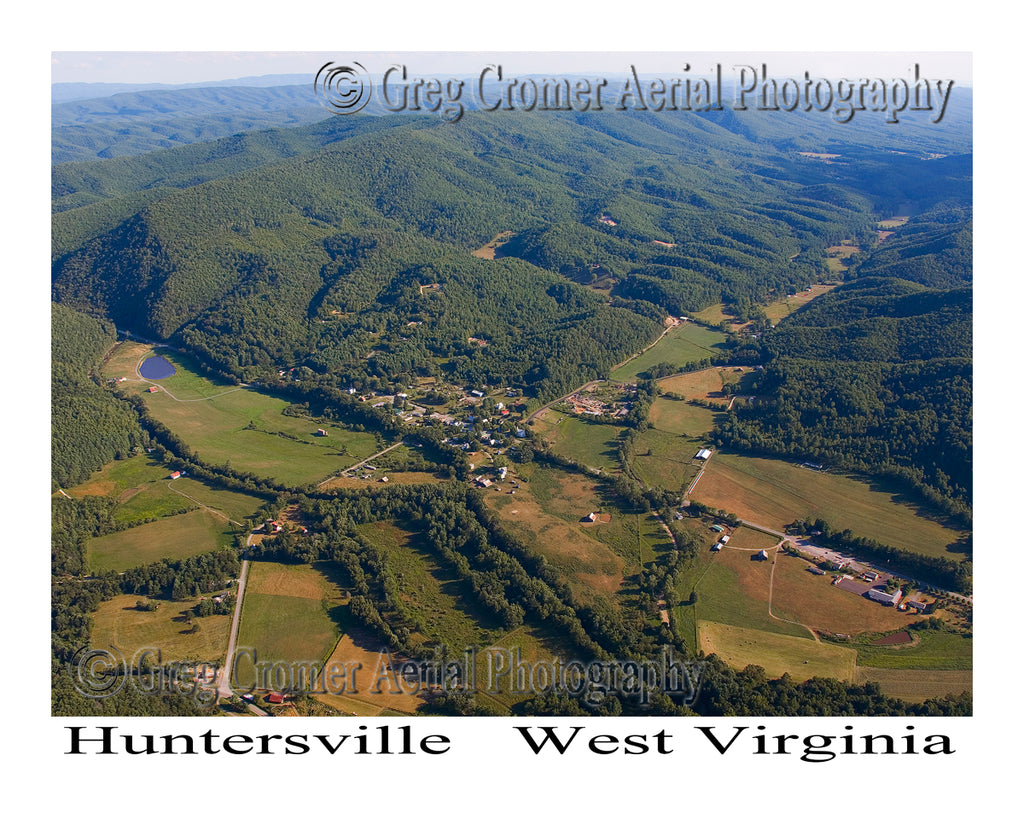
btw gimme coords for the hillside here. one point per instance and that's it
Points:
(309, 246)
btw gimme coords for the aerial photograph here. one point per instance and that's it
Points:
(511, 384)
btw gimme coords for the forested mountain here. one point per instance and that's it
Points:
(933, 249)
(90, 427)
(874, 376)
(138, 121)
(317, 245)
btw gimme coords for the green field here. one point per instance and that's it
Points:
(141, 487)
(664, 459)
(232, 503)
(682, 344)
(120, 476)
(287, 615)
(591, 444)
(247, 430)
(598, 560)
(777, 654)
(175, 537)
(916, 685)
(774, 493)
(680, 418)
(937, 650)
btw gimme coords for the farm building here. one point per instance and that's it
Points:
(880, 595)
(917, 605)
(175, 476)
(703, 454)
(591, 517)
(871, 577)
(723, 539)
(717, 547)
(274, 698)
(153, 389)
(762, 555)
(815, 570)
(717, 528)
(322, 433)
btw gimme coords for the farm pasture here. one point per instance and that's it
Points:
(774, 493)
(777, 654)
(821, 606)
(175, 537)
(247, 429)
(682, 344)
(917, 685)
(591, 444)
(117, 622)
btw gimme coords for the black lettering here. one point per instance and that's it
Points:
(77, 739)
(710, 734)
(549, 734)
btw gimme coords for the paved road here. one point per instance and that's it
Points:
(224, 674)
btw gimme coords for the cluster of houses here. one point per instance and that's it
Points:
(582, 404)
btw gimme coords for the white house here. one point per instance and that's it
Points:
(880, 595)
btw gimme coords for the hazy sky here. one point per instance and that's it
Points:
(199, 66)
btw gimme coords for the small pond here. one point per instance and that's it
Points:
(156, 368)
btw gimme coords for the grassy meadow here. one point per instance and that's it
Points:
(682, 344)
(174, 538)
(242, 427)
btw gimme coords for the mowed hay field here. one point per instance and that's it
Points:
(774, 493)
(174, 537)
(226, 424)
(361, 692)
(680, 418)
(594, 445)
(682, 344)
(779, 309)
(705, 384)
(666, 460)
(733, 589)
(777, 654)
(287, 615)
(118, 623)
(916, 685)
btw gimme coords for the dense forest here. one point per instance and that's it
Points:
(321, 246)
(875, 376)
(89, 426)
